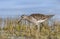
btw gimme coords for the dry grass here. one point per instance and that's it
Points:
(13, 30)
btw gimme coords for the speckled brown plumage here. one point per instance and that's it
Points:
(40, 16)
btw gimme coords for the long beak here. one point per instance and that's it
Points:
(19, 20)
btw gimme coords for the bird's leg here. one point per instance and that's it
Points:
(38, 28)
(41, 26)
(37, 24)
(37, 32)
(25, 24)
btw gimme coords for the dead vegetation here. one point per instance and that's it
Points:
(12, 30)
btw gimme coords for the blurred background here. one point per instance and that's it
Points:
(19, 7)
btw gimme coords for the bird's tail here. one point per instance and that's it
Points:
(49, 16)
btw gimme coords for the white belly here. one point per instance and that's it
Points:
(40, 21)
(33, 20)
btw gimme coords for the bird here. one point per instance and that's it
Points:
(36, 19)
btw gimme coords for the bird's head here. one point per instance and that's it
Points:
(22, 17)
